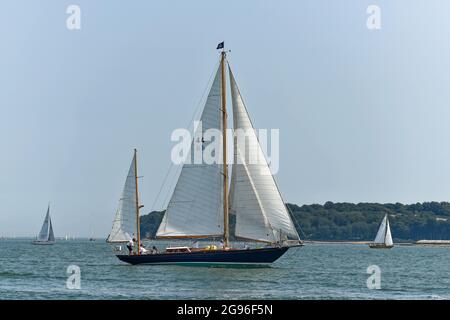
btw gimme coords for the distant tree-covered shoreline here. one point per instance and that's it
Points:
(358, 222)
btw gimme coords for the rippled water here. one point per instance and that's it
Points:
(316, 271)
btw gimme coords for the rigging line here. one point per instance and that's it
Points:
(161, 187)
(165, 202)
(296, 221)
(194, 116)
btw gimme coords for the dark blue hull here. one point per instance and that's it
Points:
(238, 256)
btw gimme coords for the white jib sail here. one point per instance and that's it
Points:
(255, 199)
(196, 206)
(124, 225)
(51, 236)
(381, 234)
(388, 239)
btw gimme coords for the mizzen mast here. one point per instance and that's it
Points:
(138, 225)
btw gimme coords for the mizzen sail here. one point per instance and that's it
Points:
(261, 214)
(196, 206)
(124, 225)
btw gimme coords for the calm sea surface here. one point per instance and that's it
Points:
(316, 271)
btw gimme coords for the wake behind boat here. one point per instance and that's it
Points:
(201, 204)
(46, 236)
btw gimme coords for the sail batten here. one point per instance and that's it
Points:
(124, 224)
(196, 206)
(261, 214)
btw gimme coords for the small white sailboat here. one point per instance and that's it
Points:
(91, 237)
(46, 236)
(383, 240)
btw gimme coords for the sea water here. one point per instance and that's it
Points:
(315, 271)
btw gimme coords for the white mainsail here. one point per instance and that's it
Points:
(124, 225)
(261, 214)
(196, 206)
(379, 238)
(46, 233)
(384, 235)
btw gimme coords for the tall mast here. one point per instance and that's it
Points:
(138, 232)
(225, 165)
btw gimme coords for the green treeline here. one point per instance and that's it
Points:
(349, 221)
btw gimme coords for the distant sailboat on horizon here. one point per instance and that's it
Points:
(46, 236)
(91, 237)
(383, 239)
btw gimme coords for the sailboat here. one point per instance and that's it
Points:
(46, 236)
(204, 196)
(91, 238)
(383, 239)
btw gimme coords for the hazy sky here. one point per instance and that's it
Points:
(364, 115)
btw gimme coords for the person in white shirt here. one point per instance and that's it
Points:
(142, 249)
(130, 246)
